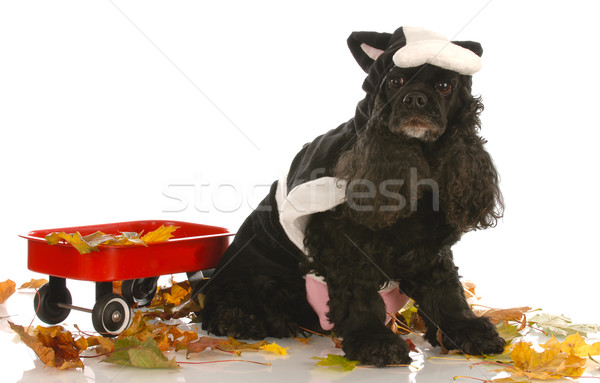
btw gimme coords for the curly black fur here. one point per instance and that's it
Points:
(417, 178)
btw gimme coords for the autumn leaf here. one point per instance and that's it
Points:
(75, 240)
(469, 289)
(162, 234)
(91, 242)
(237, 347)
(302, 340)
(574, 344)
(275, 348)
(53, 345)
(7, 288)
(497, 315)
(176, 294)
(552, 363)
(103, 344)
(33, 284)
(202, 344)
(508, 332)
(336, 361)
(560, 325)
(131, 351)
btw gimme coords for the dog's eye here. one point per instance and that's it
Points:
(396, 83)
(444, 87)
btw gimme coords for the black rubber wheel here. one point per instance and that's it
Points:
(111, 315)
(45, 304)
(140, 291)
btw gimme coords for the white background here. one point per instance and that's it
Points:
(108, 107)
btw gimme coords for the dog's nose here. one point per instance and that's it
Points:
(415, 100)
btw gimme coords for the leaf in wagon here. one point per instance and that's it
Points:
(53, 345)
(7, 288)
(33, 284)
(162, 234)
(131, 351)
(75, 240)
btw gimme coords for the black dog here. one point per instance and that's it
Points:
(371, 206)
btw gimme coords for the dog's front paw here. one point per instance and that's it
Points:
(477, 336)
(379, 349)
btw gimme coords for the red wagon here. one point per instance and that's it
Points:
(195, 249)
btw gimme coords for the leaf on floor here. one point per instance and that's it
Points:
(275, 348)
(7, 288)
(53, 345)
(560, 325)
(336, 361)
(33, 284)
(131, 351)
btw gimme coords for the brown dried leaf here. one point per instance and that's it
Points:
(54, 346)
(33, 284)
(7, 288)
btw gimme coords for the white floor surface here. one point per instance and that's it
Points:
(18, 363)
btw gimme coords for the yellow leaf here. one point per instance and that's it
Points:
(7, 288)
(275, 348)
(176, 295)
(575, 344)
(75, 240)
(53, 345)
(162, 234)
(33, 284)
(103, 344)
(236, 347)
(551, 363)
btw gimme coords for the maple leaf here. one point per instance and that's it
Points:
(552, 363)
(237, 347)
(7, 288)
(131, 351)
(333, 360)
(53, 345)
(507, 331)
(162, 234)
(91, 242)
(103, 345)
(275, 348)
(469, 288)
(33, 284)
(166, 297)
(176, 294)
(202, 344)
(561, 325)
(75, 240)
(497, 315)
(574, 344)
(302, 340)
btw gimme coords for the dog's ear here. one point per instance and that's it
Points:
(367, 46)
(473, 46)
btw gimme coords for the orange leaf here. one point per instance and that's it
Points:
(512, 314)
(203, 343)
(162, 234)
(7, 288)
(33, 284)
(54, 346)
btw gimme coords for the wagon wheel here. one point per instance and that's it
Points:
(111, 315)
(140, 291)
(45, 304)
